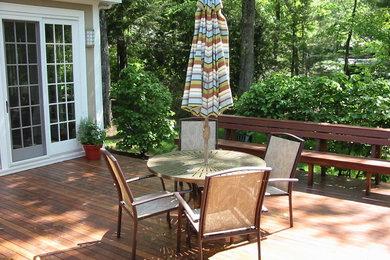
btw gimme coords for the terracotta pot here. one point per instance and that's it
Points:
(92, 152)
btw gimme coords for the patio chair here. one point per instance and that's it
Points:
(282, 155)
(191, 136)
(231, 205)
(191, 133)
(138, 207)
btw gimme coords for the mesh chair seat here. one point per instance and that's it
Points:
(156, 206)
(272, 190)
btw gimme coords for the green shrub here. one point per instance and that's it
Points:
(141, 109)
(359, 100)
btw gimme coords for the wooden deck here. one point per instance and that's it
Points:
(68, 211)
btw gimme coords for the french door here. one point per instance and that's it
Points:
(40, 80)
(24, 87)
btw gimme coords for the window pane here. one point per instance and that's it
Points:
(49, 33)
(52, 94)
(36, 115)
(23, 76)
(54, 133)
(68, 53)
(51, 74)
(37, 135)
(20, 32)
(62, 112)
(58, 33)
(69, 73)
(33, 69)
(53, 114)
(61, 93)
(64, 131)
(71, 113)
(68, 33)
(31, 32)
(27, 137)
(32, 53)
(50, 53)
(60, 73)
(9, 35)
(13, 94)
(60, 54)
(72, 130)
(12, 75)
(10, 53)
(24, 96)
(26, 118)
(15, 118)
(16, 139)
(22, 54)
(34, 95)
(69, 92)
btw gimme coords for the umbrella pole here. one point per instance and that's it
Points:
(206, 136)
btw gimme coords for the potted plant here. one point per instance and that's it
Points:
(91, 137)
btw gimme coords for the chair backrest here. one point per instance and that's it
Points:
(191, 133)
(124, 192)
(233, 199)
(282, 155)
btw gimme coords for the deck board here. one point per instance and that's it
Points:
(68, 211)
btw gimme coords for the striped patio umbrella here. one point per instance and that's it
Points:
(207, 88)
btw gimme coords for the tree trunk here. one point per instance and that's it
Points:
(247, 63)
(121, 53)
(348, 42)
(105, 70)
(277, 31)
(294, 49)
(303, 49)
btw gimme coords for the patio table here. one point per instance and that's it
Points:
(189, 166)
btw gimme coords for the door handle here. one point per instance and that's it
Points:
(6, 105)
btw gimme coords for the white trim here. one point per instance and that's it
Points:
(98, 69)
(28, 12)
(4, 135)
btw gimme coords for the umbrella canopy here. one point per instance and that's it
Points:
(207, 88)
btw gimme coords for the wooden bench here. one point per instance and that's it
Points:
(321, 132)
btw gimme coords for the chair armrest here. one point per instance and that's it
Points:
(140, 178)
(158, 197)
(283, 179)
(170, 194)
(186, 207)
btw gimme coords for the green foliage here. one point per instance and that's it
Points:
(310, 33)
(141, 110)
(90, 133)
(359, 100)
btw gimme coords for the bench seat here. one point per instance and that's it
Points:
(317, 158)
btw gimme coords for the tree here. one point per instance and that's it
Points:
(106, 82)
(247, 42)
(348, 42)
